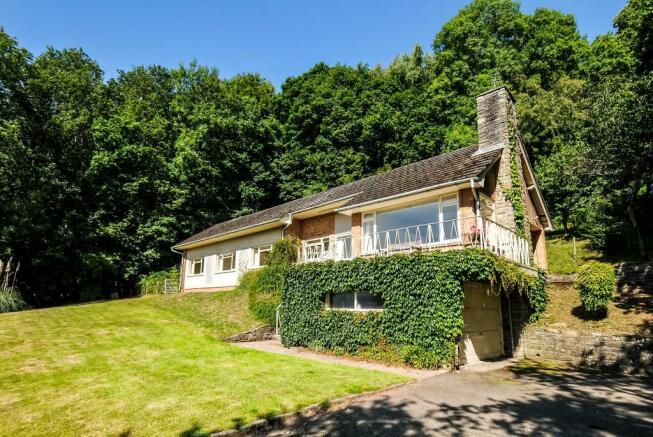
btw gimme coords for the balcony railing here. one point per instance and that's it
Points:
(466, 232)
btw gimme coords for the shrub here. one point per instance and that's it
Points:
(264, 286)
(423, 301)
(10, 299)
(284, 251)
(263, 289)
(155, 282)
(596, 283)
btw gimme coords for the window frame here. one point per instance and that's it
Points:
(220, 263)
(192, 262)
(441, 200)
(257, 254)
(368, 217)
(327, 301)
(322, 244)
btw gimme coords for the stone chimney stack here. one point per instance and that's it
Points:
(492, 111)
(495, 114)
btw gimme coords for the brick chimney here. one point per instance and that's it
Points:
(492, 111)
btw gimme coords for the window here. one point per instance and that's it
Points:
(226, 262)
(369, 232)
(196, 266)
(355, 301)
(402, 229)
(261, 255)
(317, 250)
(343, 246)
(449, 219)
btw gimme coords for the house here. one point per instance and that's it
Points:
(483, 196)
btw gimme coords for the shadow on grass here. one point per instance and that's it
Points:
(526, 401)
(195, 431)
(587, 315)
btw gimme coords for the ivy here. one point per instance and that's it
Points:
(514, 193)
(423, 301)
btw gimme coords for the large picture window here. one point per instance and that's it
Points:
(401, 229)
(355, 301)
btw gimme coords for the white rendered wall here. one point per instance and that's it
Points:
(242, 246)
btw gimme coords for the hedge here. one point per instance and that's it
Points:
(154, 283)
(263, 286)
(596, 283)
(423, 301)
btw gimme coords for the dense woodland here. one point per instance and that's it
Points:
(99, 178)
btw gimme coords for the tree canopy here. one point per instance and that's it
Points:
(98, 179)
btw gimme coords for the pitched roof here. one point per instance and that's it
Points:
(432, 172)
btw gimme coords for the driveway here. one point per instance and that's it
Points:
(528, 398)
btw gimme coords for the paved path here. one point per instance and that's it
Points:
(519, 400)
(275, 347)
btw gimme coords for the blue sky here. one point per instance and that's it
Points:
(274, 38)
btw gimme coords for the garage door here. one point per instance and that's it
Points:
(482, 329)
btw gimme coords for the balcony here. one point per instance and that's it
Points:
(452, 234)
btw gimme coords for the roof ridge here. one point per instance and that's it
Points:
(430, 172)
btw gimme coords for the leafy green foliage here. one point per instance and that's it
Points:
(284, 251)
(263, 286)
(423, 301)
(596, 283)
(10, 299)
(98, 179)
(514, 192)
(155, 282)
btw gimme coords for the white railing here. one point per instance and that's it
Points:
(466, 232)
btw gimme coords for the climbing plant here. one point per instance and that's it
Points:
(514, 192)
(423, 301)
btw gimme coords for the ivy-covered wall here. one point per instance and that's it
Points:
(423, 301)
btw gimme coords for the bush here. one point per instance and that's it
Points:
(10, 299)
(596, 283)
(264, 286)
(284, 251)
(263, 289)
(423, 301)
(154, 283)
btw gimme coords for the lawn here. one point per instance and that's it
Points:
(560, 254)
(564, 311)
(152, 365)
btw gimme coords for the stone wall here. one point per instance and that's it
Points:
(257, 334)
(626, 353)
(495, 112)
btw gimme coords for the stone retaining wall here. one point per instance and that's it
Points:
(257, 334)
(625, 353)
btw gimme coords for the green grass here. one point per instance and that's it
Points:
(564, 311)
(560, 253)
(153, 365)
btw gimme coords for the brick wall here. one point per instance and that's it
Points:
(316, 227)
